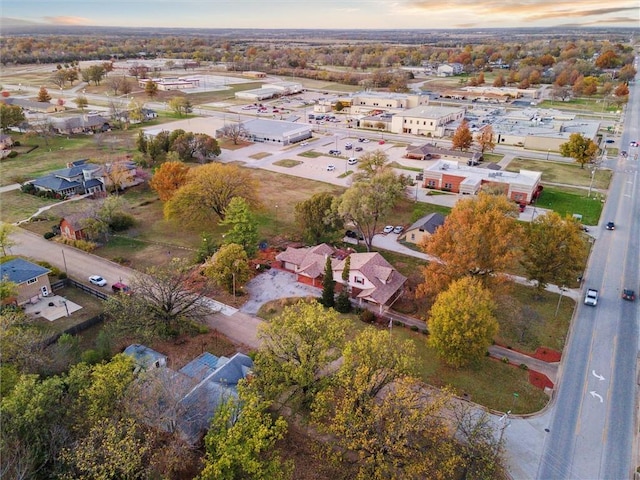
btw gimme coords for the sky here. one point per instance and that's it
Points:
(333, 14)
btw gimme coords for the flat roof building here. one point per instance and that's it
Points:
(275, 131)
(426, 120)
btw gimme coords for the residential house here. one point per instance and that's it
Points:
(449, 69)
(456, 177)
(71, 227)
(80, 124)
(79, 177)
(423, 228)
(32, 279)
(371, 278)
(33, 106)
(6, 142)
(186, 400)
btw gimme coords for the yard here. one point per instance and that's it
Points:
(569, 201)
(563, 173)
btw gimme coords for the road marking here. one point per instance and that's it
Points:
(594, 395)
(596, 375)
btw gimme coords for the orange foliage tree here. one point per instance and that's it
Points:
(168, 179)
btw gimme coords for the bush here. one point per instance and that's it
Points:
(523, 367)
(505, 360)
(48, 235)
(12, 154)
(424, 331)
(62, 275)
(91, 357)
(367, 316)
(414, 328)
(121, 221)
(397, 323)
(343, 304)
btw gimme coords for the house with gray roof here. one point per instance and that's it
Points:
(80, 124)
(186, 400)
(32, 280)
(423, 228)
(78, 177)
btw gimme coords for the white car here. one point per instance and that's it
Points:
(331, 168)
(304, 144)
(97, 280)
(352, 161)
(388, 229)
(398, 229)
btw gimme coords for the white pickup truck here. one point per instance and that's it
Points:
(591, 298)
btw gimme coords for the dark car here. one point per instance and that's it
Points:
(350, 234)
(628, 295)
(610, 226)
(120, 287)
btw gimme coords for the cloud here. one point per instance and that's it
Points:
(68, 21)
(582, 13)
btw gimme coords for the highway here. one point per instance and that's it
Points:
(593, 419)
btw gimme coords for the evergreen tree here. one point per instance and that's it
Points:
(328, 286)
(343, 304)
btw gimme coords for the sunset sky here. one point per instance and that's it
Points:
(339, 14)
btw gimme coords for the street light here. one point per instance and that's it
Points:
(548, 151)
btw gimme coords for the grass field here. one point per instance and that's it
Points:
(569, 201)
(562, 172)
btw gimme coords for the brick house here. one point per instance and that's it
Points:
(71, 227)
(32, 280)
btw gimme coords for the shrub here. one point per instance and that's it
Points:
(424, 331)
(48, 235)
(505, 360)
(12, 154)
(414, 328)
(523, 367)
(91, 357)
(121, 221)
(397, 323)
(62, 275)
(367, 316)
(343, 304)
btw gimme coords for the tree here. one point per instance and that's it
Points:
(22, 344)
(165, 298)
(229, 267)
(81, 102)
(462, 323)
(554, 250)
(200, 146)
(235, 132)
(485, 139)
(462, 138)
(242, 439)
(168, 179)
(366, 202)
(151, 89)
(627, 73)
(581, 149)
(621, 90)
(180, 105)
(499, 81)
(244, 228)
(43, 95)
(479, 238)
(208, 191)
(371, 164)
(10, 116)
(315, 218)
(343, 303)
(297, 347)
(328, 285)
(95, 74)
(6, 229)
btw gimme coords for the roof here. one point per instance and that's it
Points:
(144, 356)
(75, 220)
(52, 182)
(274, 128)
(20, 271)
(431, 112)
(308, 261)
(475, 174)
(386, 280)
(428, 223)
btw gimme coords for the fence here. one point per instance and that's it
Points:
(75, 329)
(87, 289)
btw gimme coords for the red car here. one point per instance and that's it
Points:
(628, 295)
(381, 142)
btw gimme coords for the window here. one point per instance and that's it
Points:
(32, 281)
(431, 183)
(413, 236)
(358, 280)
(448, 185)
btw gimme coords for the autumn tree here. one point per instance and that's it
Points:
(581, 149)
(244, 228)
(627, 73)
(95, 74)
(22, 344)
(374, 193)
(6, 229)
(328, 285)
(554, 250)
(199, 146)
(81, 102)
(315, 217)
(168, 179)
(43, 95)
(235, 132)
(297, 347)
(166, 297)
(229, 267)
(485, 139)
(180, 105)
(10, 116)
(241, 441)
(151, 89)
(621, 90)
(207, 192)
(462, 138)
(499, 81)
(480, 238)
(462, 322)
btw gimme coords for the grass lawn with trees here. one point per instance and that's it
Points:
(567, 201)
(563, 172)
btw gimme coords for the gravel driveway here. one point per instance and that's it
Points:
(274, 284)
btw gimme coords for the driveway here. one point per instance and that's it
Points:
(272, 285)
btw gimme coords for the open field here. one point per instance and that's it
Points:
(564, 173)
(567, 201)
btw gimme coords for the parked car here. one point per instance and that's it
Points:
(334, 152)
(358, 149)
(350, 234)
(381, 142)
(623, 153)
(331, 168)
(352, 161)
(348, 146)
(628, 295)
(304, 144)
(610, 226)
(120, 287)
(591, 298)
(398, 229)
(633, 143)
(388, 229)
(97, 280)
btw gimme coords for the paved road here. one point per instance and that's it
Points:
(593, 421)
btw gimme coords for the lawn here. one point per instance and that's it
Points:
(15, 205)
(565, 173)
(569, 201)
